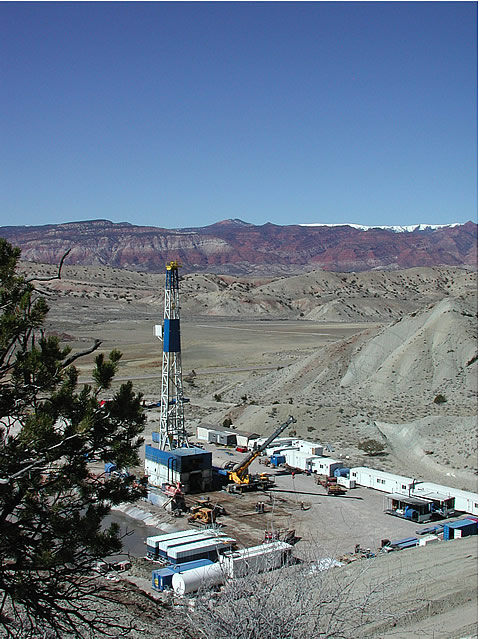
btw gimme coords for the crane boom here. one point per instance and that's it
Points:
(239, 472)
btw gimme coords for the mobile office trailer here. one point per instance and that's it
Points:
(311, 448)
(380, 480)
(325, 465)
(297, 459)
(464, 501)
(278, 445)
(255, 559)
(202, 549)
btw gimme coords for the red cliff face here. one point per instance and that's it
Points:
(239, 248)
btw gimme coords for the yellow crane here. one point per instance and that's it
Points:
(239, 476)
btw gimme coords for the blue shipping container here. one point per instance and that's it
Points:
(162, 578)
(155, 437)
(276, 460)
(468, 527)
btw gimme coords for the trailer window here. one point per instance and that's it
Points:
(380, 481)
(404, 487)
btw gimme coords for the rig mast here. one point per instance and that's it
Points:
(172, 422)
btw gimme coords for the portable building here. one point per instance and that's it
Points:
(222, 437)
(380, 480)
(192, 467)
(277, 446)
(460, 528)
(311, 448)
(245, 439)
(280, 451)
(409, 507)
(204, 430)
(465, 501)
(325, 465)
(297, 459)
(346, 481)
(184, 583)
(201, 549)
(256, 559)
(443, 505)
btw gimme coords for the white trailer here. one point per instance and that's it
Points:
(309, 447)
(297, 459)
(255, 559)
(380, 480)
(325, 465)
(465, 501)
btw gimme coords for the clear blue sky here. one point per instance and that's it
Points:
(184, 114)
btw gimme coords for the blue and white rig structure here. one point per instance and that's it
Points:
(172, 418)
(174, 461)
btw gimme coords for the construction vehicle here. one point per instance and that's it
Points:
(176, 497)
(330, 484)
(239, 478)
(205, 512)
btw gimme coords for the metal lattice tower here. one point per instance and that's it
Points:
(172, 421)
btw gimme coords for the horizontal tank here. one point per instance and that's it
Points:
(184, 583)
(256, 559)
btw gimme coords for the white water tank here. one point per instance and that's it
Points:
(189, 581)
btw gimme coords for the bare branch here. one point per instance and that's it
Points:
(72, 358)
(58, 276)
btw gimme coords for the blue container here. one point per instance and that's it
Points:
(468, 527)
(110, 466)
(341, 472)
(190, 565)
(162, 578)
(276, 460)
(407, 542)
(180, 460)
(155, 437)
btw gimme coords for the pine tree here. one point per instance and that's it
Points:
(52, 431)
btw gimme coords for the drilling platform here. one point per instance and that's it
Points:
(174, 460)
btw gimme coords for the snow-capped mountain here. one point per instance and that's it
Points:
(395, 229)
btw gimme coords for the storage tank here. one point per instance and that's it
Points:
(184, 583)
(256, 558)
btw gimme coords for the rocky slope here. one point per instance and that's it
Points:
(234, 247)
(318, 295)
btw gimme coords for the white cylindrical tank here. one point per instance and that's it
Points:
(184, 583)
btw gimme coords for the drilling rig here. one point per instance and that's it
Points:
(172, 463)
(172, 420)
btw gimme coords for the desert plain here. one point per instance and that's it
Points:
(389, 356)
